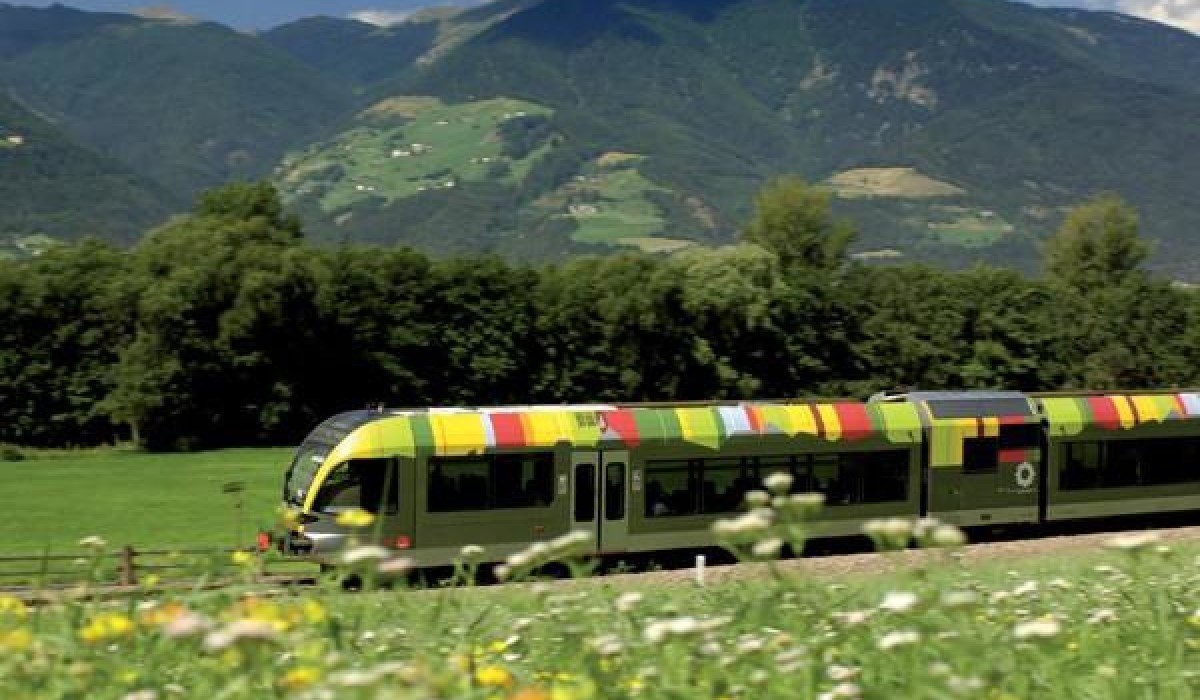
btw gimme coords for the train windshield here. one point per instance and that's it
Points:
(302, 470)
(315, 448)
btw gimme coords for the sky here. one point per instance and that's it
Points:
(264, 14)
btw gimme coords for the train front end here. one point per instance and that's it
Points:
(333, 496)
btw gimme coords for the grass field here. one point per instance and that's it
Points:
(148, 500)
(1110, 625)
(404, 146)
(608, 203)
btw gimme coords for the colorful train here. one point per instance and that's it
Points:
(648, 478)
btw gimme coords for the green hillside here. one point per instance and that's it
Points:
(52, 188)
(1018, 111)
(189, 105)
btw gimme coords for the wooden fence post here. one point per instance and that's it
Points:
(128, 570)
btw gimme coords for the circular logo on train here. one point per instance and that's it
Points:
(1026, 474)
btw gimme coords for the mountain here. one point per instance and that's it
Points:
(189, 105)
(54, 188)
(952, 130)
(949, 130)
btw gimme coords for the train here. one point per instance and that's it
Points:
(648, 478)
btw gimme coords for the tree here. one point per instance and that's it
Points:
(1098, 245)
(793, 220)
(222, 302)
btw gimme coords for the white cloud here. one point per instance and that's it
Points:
(381, 18)
(1184, 14)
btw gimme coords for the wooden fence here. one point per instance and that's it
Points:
(145, 568)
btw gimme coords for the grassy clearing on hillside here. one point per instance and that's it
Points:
(148, 500)
(1118, 625)
(971, 229)
(889, 182)
(432, 146)
(608, 202)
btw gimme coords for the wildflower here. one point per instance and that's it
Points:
(299, 678)
(470, 552)
(1025, 588)
(898, 638)
(355, 517)
(947, 536)
(889, 533)
(607, 645)
(93, 542)
(841, 691)
(143, 694)
(11, 606)
(659, 630)
(838, 672)
(159, 615)
(1039, 628)
(187, 624)
(106, 627)
(778, 483)
(853, 617)
(768, 548)
(494, 677)
(1106, 671)
(756, 498)
(627, 601)
(1103, 615)
(956, 599)
(750, 523)
(242, 557)
(1132, 541)
(899, 601)
(396, 566)
(366, 553)
(15, 640)
(248, 630)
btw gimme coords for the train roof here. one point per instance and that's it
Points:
(450, 432)
(1068, 415)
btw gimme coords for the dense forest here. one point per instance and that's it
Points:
(224, 327)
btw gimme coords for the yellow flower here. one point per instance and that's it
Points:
(15, 640)
(162, 614)
(106, 626)
(355, 517)
(299, 678)
(242, 557)
(11, 606)
(494, 677)
(289, 518)
(314, 612)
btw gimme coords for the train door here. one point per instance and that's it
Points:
(599, 497)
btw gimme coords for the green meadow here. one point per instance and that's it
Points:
(151, 501)
(1110, 625)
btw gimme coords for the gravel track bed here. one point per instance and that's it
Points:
(872, 563)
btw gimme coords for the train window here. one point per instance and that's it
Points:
(875, 477)
(1130, 463)
(614, 491)
(981, 455)
(672, 488)
(490, 481)
(369, 484)
(1024, 435)
(725, 483)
